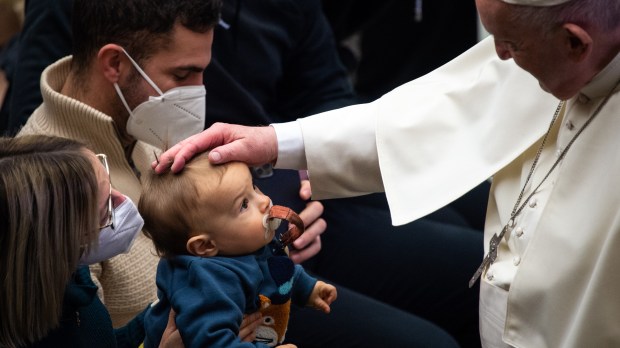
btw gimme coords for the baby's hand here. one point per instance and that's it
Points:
(322, 296)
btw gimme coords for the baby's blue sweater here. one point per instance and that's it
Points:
(210, 295)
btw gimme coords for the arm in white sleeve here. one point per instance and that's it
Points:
(444, 133)
(431, 140)
(341, 152)
(291, 153)
(342, 161)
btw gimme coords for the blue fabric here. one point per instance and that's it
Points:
(85, 322)
(211, 295)
(276, 62)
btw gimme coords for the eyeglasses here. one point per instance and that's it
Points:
(109, 218)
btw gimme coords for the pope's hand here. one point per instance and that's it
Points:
(227, 142)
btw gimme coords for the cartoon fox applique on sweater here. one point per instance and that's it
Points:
(276, 310)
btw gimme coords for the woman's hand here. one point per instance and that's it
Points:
(171, 338)
(247, 331)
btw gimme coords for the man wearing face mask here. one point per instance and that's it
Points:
(168, 118)
(160, 106)
(132, 87)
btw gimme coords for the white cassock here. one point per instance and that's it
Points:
(555, 282)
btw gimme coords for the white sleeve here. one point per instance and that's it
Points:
(444, 133)
(344, 156)
(342, 159)
(291, 153)
(431, 140)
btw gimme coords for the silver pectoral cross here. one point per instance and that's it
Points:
(490, 257)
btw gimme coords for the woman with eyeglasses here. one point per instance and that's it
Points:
(59, 213)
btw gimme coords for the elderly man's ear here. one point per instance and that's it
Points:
(578, 42)
(201, 245)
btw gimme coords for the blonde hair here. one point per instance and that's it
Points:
(169, 203)
(48, 204)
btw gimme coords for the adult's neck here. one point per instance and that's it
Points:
(604, 51)
(96, 92)
(611, 48)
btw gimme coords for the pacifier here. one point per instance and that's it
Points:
(272, 220)
(270, 224)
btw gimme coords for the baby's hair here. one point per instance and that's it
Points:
(169, 203)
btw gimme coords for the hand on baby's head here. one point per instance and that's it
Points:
(208, 210)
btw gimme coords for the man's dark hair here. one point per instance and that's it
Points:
(140, 26)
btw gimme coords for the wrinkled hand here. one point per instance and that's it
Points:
(227, 142)
(322, 296)
(309, 244)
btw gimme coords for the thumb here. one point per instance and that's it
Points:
(234, 151)
(215, 156)
(322, 305)
(305, 191)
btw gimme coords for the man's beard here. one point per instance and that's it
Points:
(134, 95)
(133, 90)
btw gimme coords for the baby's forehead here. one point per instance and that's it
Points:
(236, 174)
(237, 169)
(231, 169)
(221, 183)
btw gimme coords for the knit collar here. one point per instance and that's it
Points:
(76, 119)
(63, 116)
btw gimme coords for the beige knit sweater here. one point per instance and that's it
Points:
(127, 281)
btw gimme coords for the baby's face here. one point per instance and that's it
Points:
(237, 228)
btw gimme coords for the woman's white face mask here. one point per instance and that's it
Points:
(165, 120)
(118, 239)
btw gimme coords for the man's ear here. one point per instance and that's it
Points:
(111, 63)
(578, 42)
(201, 245)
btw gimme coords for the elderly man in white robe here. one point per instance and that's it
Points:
(542, 121)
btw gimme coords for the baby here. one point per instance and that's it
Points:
(220, 257)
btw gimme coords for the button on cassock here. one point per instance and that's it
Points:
(518, 231)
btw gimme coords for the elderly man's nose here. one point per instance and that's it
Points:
(503, 52)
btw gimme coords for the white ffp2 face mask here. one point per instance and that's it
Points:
(164, 120)
(118, 240)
